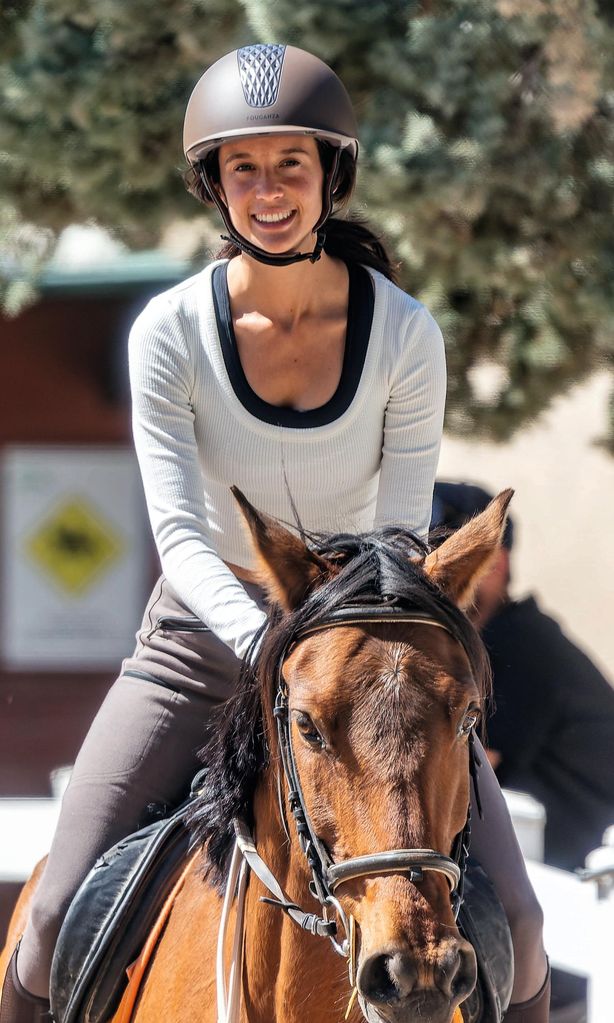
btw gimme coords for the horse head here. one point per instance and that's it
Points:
(383, 681)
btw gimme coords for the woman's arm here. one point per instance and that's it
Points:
(413, 426)
(161, 377)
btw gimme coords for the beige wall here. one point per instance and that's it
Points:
(563, 511)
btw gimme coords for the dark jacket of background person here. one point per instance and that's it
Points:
(552, 730)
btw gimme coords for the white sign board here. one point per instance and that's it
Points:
(73, 558)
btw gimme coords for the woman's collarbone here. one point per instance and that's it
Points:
(299, 369)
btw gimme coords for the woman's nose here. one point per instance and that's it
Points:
(268, 186)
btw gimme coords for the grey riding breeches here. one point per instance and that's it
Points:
(141, 752)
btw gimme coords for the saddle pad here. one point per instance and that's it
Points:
(109, 920)
(137, 970)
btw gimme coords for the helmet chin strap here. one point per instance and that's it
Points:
(272, 259)
(261, 255)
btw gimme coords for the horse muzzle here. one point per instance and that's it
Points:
(395, 987)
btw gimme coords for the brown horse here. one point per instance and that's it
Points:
(365, 694)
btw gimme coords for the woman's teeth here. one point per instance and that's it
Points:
(272, 218)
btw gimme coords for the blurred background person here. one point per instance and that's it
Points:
(552, 730)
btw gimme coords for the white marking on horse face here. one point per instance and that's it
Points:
(393, 672)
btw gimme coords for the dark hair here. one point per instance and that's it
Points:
(348, 238)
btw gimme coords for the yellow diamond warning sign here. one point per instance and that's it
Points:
(74, 545)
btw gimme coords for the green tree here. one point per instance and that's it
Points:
(92, 94)
(487, 136)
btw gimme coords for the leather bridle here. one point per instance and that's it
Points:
(328, 875)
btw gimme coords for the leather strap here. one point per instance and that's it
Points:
(413, 861)
(229, 994)
(306, 921)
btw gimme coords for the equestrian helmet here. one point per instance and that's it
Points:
(266, 89)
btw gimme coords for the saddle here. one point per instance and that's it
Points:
(482, 921)
(110, 919)
(117, 905)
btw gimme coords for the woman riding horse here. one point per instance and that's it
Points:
(294, 367)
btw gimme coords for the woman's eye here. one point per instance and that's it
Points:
(469, 721)
(308, 730)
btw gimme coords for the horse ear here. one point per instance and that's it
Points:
(286, 567)
(461, 561)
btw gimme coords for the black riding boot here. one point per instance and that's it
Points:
(17, 1005)
(535, 1010)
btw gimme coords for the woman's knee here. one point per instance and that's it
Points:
(38, 945)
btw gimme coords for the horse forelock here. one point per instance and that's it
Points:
(384, 566)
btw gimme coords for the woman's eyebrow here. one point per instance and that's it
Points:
(236, 156)
(249, 156)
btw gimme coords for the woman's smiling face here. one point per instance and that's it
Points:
(272, 186)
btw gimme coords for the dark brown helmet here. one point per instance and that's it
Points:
(269, 89)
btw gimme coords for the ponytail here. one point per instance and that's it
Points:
(354, 242)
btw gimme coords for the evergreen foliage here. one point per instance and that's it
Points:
(487, 133)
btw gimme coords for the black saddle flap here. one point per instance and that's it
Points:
(110, 918)
(482, 921)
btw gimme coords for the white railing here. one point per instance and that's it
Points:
(579, 932)
(27, 827)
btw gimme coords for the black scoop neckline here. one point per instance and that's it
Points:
(361, 303)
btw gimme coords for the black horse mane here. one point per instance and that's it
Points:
(373, 568)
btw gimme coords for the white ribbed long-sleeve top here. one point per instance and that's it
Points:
(374, 464)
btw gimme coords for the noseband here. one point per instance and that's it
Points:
(328, 875)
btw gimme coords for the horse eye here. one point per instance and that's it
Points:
(308, 730)
(470, 721)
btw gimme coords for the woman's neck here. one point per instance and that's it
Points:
(285, 294)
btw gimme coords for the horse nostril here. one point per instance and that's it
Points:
(456, 971)
(467, 973)
(446, 971)
(386, 978)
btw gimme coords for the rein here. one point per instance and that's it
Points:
(328, 875)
